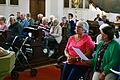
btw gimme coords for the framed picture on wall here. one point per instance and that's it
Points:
(2, 1)
(14, 2)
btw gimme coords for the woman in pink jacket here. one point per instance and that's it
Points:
(74, 68)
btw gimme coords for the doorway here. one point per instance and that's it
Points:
(36, 7)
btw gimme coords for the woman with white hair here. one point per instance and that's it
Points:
(74, 68)
(50, 23)
(39, 19)
(54, 38)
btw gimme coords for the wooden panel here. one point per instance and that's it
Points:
(36, 7)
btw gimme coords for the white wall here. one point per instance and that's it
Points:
(7, 9)
(54, 7)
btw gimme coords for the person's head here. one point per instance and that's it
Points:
(80, 27)
(98, 15)
(28, 15)
(44, 20)
(52, 17)
(18, 14)
(117, 18)
(2, 19)
(107, 33)
(40, 16)
(104, 17)
(55, 22)
(70, 16)
(22, 16)
(12, 19)
(64, 19)
(84, 26)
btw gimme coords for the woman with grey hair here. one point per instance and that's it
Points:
(74, 68)
(85, 26)
(54, 38)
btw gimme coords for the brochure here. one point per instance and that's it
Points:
(81, 55)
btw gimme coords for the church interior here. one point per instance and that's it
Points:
(35, 35)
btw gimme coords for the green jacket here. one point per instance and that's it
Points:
(111, 57)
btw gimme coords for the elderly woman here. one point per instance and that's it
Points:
(65, 28)
(39, 19)
(3, 26)
(54, 38)
(74, 68)
(107, 56)
(50, 23)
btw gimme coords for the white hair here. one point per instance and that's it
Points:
(44, 19)
(40, 15)
(84, 25)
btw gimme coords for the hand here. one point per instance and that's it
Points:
(86, 61)
(71, 60)
(102, 76)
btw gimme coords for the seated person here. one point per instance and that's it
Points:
(3, 26)
(99, 36)
(65, 28)
(54, 37)
(74, 68)
(106, 57)
(15, 27)
(15, 31)
(44, 25)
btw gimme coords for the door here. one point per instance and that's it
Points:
(36, 7)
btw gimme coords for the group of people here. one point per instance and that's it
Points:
(107, 51)
(106, 54)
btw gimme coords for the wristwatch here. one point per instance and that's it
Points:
(77, 59)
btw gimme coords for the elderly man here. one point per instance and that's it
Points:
(15, 27)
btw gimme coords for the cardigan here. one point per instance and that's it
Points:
(110, 58)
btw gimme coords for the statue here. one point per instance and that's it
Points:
(76, 3)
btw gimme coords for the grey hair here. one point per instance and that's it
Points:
(84, 25)
(44, 19)
(40, 15)
(56, 21)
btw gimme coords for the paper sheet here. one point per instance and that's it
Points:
(81, 55)
(116, 72)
